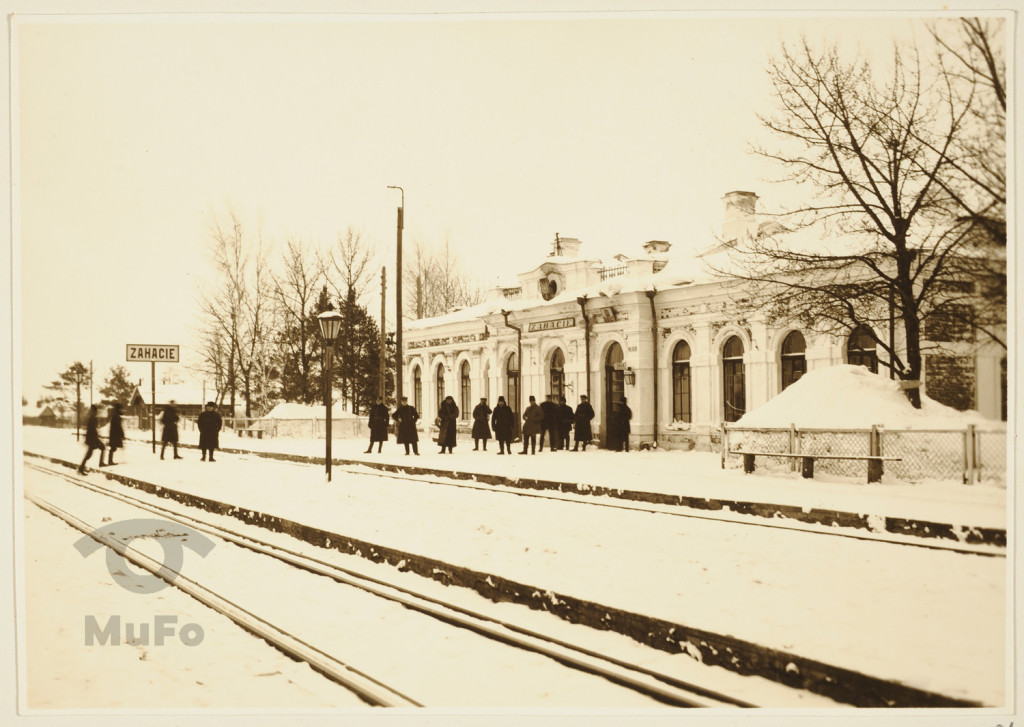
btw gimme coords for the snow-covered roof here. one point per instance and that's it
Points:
(857, 399)
(294, 410)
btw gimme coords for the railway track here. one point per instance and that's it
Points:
(662, 688)
(676, 511)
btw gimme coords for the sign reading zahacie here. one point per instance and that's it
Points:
(166, 354)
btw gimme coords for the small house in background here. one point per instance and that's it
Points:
(40, 415)
(188, 399)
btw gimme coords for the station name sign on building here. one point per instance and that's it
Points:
(155, 354)
(552, 324)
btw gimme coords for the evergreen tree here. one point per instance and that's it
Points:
(117, 386)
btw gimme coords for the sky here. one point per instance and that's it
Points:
(133, 134)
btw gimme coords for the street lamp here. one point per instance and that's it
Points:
(330, 326)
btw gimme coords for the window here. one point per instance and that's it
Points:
(417, 389)
(681, 383)
(465, 400)
(735, 398)
(794, 363)
(860, 350)
(439, 383)
(512, 383)
(557, 374)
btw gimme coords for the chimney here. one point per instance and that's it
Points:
(568, 246)
(740, 208)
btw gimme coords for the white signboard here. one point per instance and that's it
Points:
(142, 352)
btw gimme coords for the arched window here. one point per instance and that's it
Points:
(465, 403)
(614, 393)
(794, 363)
(681, 383)
(734, 393)
(860, 350)
(439, 383)
(512, 383)
(557, 374)
(417, 389)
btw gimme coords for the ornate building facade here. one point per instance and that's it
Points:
(655, 330)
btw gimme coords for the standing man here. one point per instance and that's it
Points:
(379, 418)
(565, 422)
(503, 421)
(550, 426)
(533, 424)
(405, 417)
(209, 422)
(584, 413)
(448, 417)
(481, 431)
(92, 439)
(169, 419)
(116, 432)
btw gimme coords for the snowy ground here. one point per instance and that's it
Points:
(934, 620)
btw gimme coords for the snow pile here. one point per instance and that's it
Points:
(851, 397)
(293, 410)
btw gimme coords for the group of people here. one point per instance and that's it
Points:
(208, 421)
(551, 419)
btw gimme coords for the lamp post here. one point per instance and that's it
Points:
(398, 298)
(330, 326)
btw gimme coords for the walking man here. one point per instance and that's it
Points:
(92, 440)
(379, 419)
(209, 422)
(169, 419)
(481, 431)
(116, 432)
(405, 417)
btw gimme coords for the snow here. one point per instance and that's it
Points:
(293, 410)
(852, 397)
(776, 588)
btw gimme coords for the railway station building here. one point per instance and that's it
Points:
(656, 329)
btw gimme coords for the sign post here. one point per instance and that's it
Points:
(141, 353)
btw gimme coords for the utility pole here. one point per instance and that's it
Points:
(398, 299)
(383, 337)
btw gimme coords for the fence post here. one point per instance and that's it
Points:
(874, 450)
(969, 455)
(725, 443)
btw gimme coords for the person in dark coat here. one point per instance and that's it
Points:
(116, 439)
(448, 416)
(92, 439)
(565, 422)
(550, 425)
(378, 422)
(584, 414)
(209, 422)
(405, 417)
(533, 424)
(169, 419)
(621, 415)
(481, 430)
(503, 420)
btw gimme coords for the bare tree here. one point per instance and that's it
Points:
(351, 259)
(875, 159)
(296, 290)
(436, 282)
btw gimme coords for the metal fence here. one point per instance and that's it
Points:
(967, 455)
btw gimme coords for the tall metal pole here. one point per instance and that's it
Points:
(398, 299)
(383, 347)
(152, 409)
(328, 393)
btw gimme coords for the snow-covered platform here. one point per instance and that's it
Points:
(751, 599)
